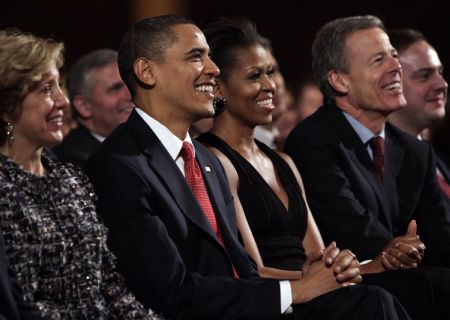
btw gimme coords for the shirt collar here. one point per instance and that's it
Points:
(363, 132)
(97, 136)
(170, 141)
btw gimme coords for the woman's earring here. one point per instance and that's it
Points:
(9, 133)
(219, 104)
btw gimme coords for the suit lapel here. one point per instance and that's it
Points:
(177, 186)
(234, 249)
(211, 182)
(357, 153)
(442, 168)
(393, 161)
(169, 174)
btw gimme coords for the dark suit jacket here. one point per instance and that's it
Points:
(443, 168)
(350, 202)
(166, 250)
(12, 306)
(77, 147)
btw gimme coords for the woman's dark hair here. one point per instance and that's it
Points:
(226, 34)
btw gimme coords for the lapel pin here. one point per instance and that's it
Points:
(208, 169)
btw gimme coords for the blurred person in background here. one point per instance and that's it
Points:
(100, 101)
(308, 101)
(425, 90)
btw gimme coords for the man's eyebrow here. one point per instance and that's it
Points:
(195, 50)
(426, 70)
(115, 86)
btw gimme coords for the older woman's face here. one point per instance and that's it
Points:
(41, 114)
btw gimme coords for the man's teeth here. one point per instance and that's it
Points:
(56, 120)
(204, 88)
(393, 86)
(265, 102)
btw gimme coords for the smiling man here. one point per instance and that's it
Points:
(100, 101)
(370, 186)
(362, 196)
(424, 87)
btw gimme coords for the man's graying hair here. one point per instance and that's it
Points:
(78, 79)
(148, 38)
(328, 49)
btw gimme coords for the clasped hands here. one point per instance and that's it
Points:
(324, 271)
(404, 252)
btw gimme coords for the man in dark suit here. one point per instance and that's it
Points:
(369, 210)
(100, 101)
(425, 90)
(167, 249)
(12, 306)
(370, 186)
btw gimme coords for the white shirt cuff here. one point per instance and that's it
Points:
(286, 296)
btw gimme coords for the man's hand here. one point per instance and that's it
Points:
(325, 271)
(404, 252)
(317, 279)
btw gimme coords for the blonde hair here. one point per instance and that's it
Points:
(24, 59)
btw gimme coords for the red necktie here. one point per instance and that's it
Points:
(377, 145)
(194, 178)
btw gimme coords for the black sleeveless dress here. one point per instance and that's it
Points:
(278, 232)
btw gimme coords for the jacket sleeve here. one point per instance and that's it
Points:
(433, 216)
(12, 306)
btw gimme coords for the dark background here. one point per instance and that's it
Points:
(86, 25)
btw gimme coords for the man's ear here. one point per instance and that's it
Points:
(338, 81)
(83, 106)
(144, 70)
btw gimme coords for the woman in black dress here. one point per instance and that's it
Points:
(265, 183)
